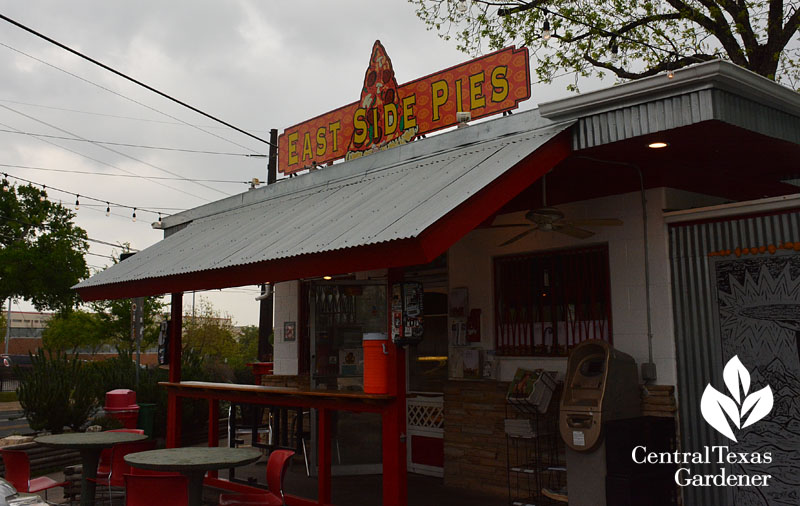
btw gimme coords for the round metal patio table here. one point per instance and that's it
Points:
(90, 445)
(193, 463)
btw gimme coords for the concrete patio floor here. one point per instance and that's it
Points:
(347, 490)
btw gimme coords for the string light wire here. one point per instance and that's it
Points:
(78, 196)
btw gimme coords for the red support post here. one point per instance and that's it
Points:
(173, 401)
(393, 418)
(213, 428)
(324, 457)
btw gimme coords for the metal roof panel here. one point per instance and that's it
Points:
(391, 195)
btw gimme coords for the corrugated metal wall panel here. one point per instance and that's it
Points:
(698, 348)
(643, 119)
(684, 110)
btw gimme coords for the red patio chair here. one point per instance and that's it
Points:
(138, 471)
(147, 490)
(18, 473)
(119, 468)
(104, 464)
(277, 465)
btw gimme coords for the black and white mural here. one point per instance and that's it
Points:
(758, 316)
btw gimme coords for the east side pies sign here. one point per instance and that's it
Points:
(388, 114)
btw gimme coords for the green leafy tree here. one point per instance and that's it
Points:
(248, 344)
(109, 322)
(74, 329)
(41, 249)
(115, 316)
(209, 333)
(629, 38)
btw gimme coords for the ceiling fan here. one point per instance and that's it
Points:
(551, 219)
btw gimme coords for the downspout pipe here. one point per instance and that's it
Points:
(649, 373)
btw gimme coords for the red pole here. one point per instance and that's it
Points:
(213, 428)
(393, 417)
(324, 453)
(173, 401)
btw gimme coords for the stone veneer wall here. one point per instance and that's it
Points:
(474, 436)
(293, 381)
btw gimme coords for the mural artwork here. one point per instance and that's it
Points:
(758, 312)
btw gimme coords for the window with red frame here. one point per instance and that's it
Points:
(547, 302)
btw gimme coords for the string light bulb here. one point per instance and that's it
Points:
(43, 195)
(77, 202)
(134, 215)
(5, 182)
(670, 74)
(546, 31)
(108, 209)
(462, 6)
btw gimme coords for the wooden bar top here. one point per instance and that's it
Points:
(294, 396)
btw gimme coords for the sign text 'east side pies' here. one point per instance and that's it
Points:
(388, 114)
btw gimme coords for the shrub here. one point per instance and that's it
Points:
(107, 423)
(54, 393)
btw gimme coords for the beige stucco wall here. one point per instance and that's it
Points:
(285, 309)
(470, 265)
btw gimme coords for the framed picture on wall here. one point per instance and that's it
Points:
(289, 329)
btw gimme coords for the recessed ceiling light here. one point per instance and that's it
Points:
(327, 278)
(657, 145)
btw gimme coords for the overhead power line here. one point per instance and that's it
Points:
(131, 79)
(129, 99)
(183, 150)
(76, 136)
(101, 162)
(117, 116)
(104, 174)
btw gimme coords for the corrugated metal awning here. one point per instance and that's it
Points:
(402, 206)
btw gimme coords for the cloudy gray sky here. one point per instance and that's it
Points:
(255, 64)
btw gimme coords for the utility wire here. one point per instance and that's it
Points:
(118, 116)
(78, 137)
(135, 81)
(115, 167)
(98, 241)
(99, 255)
(68, 171)
(142, 104)
(134, 145)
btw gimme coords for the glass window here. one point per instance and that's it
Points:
(342, 314)
(547, 302)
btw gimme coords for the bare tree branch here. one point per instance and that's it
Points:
(657, 69)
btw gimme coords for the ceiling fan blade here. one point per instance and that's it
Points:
(510, 225)
(518, 237)
(571, 231)
(594, 222)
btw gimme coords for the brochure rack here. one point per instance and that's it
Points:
(535, 452)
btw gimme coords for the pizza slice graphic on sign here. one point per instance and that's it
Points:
(378, 122)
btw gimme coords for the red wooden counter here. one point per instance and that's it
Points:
(324, 401)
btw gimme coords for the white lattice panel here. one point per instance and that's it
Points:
(425, 414)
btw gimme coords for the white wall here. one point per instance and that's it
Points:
(470, 264)
(286, 310)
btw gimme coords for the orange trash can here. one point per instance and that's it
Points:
(376, 363)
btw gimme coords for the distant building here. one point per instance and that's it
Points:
(26, 331)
